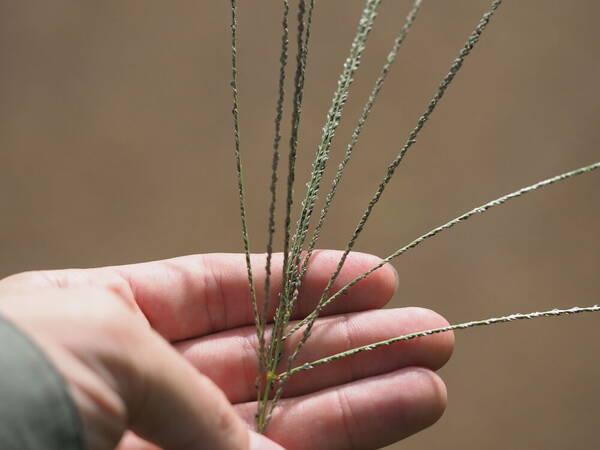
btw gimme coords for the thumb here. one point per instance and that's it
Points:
(176, 407)
(123, 375)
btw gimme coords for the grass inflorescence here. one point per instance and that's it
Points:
(297, 246)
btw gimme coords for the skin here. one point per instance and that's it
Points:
(163, 354)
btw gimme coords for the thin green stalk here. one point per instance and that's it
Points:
(480, 209)
(301, 62)
(273, 190)
(238, 163)
(303, 36)
(274, 352)
(460, 326)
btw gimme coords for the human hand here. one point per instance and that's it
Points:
(168, 350)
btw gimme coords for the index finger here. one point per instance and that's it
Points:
(201, 294)
(195, 295)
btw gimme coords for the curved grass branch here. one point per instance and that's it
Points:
(460, 326)
(480, 209)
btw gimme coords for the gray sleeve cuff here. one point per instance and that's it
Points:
(36, 409)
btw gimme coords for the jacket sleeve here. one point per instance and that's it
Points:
(36, 409)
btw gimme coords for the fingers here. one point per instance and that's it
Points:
(235, 351)
(196, 295)
(365, 414)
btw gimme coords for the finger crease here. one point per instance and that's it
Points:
(345, 329)
(348, 419)
(249, 371)
(215, 300)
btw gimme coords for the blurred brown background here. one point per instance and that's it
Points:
(116, 147)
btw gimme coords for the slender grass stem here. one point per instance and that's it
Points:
(273, 190)
(302, 38)
(238, 165)
(460, 326)
(302, 42)
(480, 209)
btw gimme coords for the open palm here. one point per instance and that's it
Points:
(199, 306)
